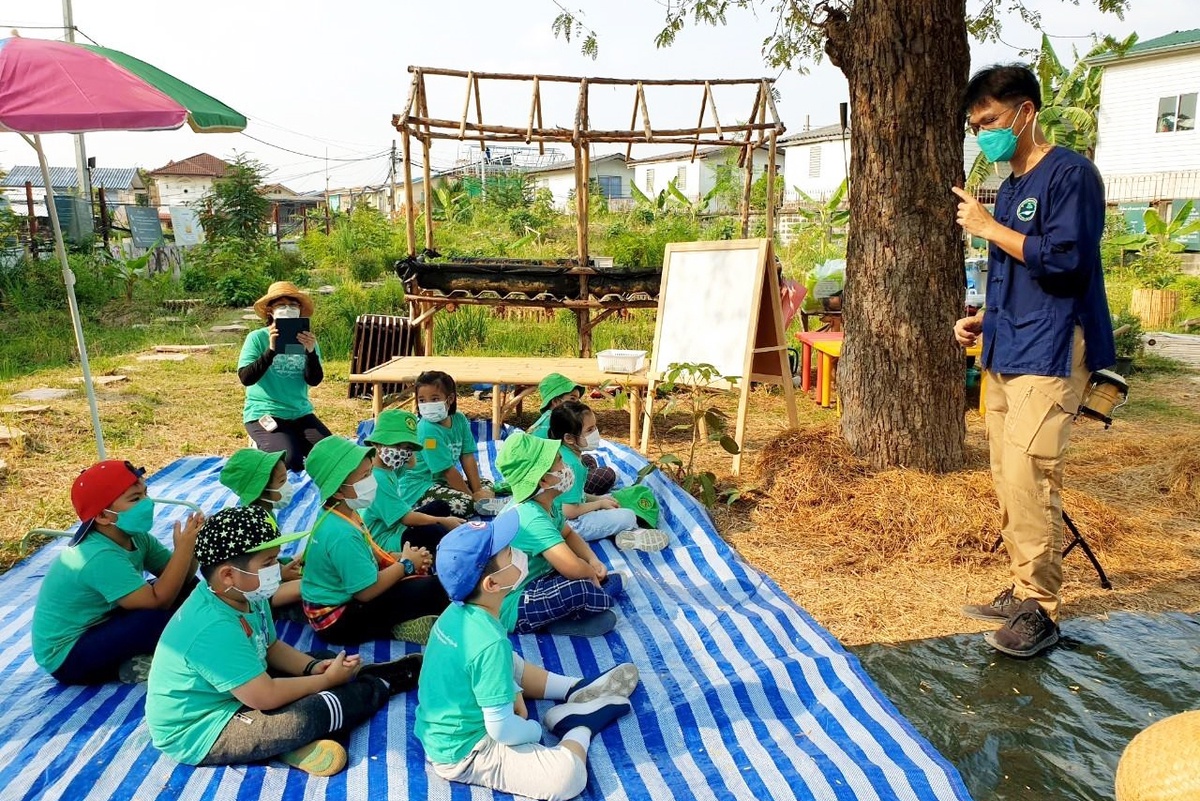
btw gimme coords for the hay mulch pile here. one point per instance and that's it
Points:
(892, 555)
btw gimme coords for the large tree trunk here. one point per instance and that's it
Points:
(901, 373)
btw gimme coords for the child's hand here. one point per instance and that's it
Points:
(451, 522)
(290, 571)
(482, 493)
(599, 568)
(606, 502)
(340, 669)
(185, 533)
(420, 557)
(519, 708)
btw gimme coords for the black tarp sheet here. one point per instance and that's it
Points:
(1053, 727)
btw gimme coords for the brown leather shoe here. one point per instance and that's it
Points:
(1027, 633)
(999, 610)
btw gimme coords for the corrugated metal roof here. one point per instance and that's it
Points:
(68, 177)
(822, 134)
(1176, 40)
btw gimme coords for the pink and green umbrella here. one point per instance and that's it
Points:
(58, 87)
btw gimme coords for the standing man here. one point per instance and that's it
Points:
(1045, 328)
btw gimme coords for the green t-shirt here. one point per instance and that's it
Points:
(541, 428)
(443, 447)
(573, 462)
(468, 666)
(282, 392)
(393, 500)
(337, 563)
(83, 585)
(538, 533)
(206, 651)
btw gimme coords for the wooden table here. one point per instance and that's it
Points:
(520, 371)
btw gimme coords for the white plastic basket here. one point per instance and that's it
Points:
(621, 361)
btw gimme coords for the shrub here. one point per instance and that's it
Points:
(334, 315)
(239, 288)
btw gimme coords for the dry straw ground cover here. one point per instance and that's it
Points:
(874, 556)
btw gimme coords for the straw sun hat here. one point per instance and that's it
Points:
(1161, 763)
(284, 289)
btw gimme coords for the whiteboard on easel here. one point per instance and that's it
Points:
(709, 304)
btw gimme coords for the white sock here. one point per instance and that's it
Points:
(581, 735)
(557, 686)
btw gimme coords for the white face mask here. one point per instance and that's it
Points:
(286, 312)
(520, 560)
(433, 412)
(394, 458)
(286, 493)
(566, 480)
(269, 579)
(364, 491)
(592, 441)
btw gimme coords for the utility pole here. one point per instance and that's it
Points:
(392, 181)
(85, 181)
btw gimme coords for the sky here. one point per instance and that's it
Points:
(323, 79)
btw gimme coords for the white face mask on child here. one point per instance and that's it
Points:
(286, 493)
(394, 458)
(566, 480)
(269, 579)
(520, 560)
(592, 441)
(433, 412)
(364, 492)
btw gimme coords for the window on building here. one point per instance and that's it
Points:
(650, 181)
(610, 185)
(681, 179)
(814, 161)
(1176, 113)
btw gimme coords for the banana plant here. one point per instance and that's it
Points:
(693, 207)
(1162, 234)
(829, 217)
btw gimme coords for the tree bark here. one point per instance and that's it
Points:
(901, 373)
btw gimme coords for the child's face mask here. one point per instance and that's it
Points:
(592, 441)
(520, 560)
(434, 412)
(395, 458)
(364, 491)
(565, 480)
(269, 579)
(286, 492)
(138, 518)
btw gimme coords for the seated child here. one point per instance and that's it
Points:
(212, 698)
(353, 590)
(594, 517)
(447, 442)
(472, 716)
(555, 390)
(97, 619)
(393, 518)
(260, 479)
(567, 589)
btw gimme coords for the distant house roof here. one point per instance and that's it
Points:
(1178, 41)
(68, 177)
(824, 133)
(200, 165)
(569, 164)
(679, 155)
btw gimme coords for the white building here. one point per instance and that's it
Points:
(183, 183)
(694, 179)
(817, 160)
(1148, 148)
(610, 174)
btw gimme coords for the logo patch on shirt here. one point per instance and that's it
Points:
(431, 444)
(1026, 209)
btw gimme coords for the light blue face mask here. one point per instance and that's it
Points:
(137, 518)
(1000, 144)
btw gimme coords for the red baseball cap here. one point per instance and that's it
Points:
(99, 486)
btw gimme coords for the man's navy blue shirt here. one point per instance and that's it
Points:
(1034, 304)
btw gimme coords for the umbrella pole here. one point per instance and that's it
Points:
(69, 279)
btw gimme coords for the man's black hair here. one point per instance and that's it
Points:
(491, 567)
(1003, 82)
(240, 562)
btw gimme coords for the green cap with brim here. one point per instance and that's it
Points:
(523, 460)
(331, 461)
(554, 386)
(248, 472)
(394, 427)
(641, 501)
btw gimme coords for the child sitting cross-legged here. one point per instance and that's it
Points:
(594, 516)
(472, 716)
(568, 590)
(353, 590)
(210, 698)
(446, 443)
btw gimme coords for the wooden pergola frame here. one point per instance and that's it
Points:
(761, 128)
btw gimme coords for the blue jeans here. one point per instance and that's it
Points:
(96, 656)
(603, 523)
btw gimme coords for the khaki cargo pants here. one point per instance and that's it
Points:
(1029, 419)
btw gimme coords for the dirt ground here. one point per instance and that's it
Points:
(874, 557)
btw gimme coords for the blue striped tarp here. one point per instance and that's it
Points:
(743, 695)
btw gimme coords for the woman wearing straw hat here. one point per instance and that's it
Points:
(278, 414)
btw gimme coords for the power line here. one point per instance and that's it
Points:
(310, 155)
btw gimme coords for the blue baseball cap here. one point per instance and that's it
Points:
(464, 552)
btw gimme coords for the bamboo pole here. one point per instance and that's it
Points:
(402, 117)
(479, 117)
(410, 223)
(770, 187)
(700, 122)
(427, 176)
(645, 112)
(565, 134)
(462, 127)
(747, 135)
(541, 126)
(506, 76)
(762, 113)
(712, 103)
(537, 88)
(632, 122)
(746, 189)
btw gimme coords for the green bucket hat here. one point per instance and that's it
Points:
(554, 386)
(523, 460)
(641, 501)
(331, 461)
(248, 472)
(393, 427)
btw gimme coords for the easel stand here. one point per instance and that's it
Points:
(719, 304)
(1076, 539)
